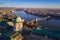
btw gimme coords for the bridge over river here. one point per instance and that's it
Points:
(43, 19)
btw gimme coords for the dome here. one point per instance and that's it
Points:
(17, 19)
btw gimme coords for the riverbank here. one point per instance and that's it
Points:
(57, 16)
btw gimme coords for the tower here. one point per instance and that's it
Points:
(18, 24)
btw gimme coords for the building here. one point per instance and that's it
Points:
(45, 34)
(18, 24)
(7, 32)
(8, 29)
(11, 35)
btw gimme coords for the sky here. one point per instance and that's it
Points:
(30, 3)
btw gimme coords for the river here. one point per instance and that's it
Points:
(52, 23)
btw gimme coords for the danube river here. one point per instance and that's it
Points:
(52, 23)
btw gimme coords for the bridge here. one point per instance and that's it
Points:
(36, 20)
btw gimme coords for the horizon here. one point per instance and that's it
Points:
(30, 3)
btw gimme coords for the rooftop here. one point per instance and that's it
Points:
(49, 32)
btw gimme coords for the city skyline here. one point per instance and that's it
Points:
(30, 3)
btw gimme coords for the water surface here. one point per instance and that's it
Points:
(52, 23)
(25, 16)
